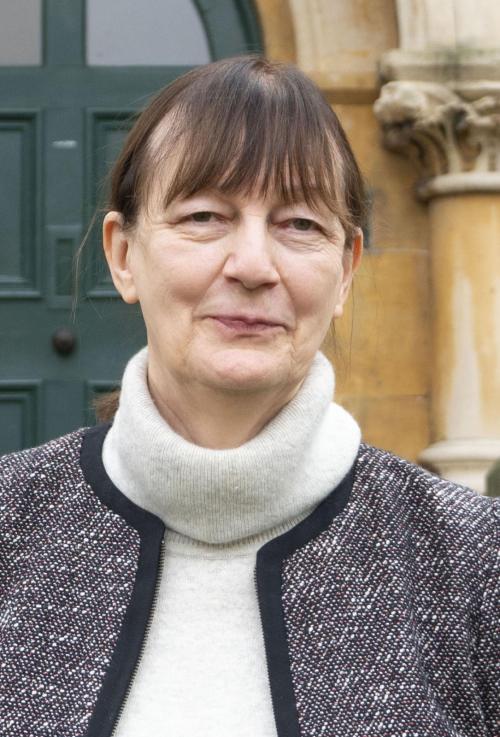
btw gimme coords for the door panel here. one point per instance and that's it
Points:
(19, 214)
(61, 244)
(106, 132)
(21, 411)
(61, 127)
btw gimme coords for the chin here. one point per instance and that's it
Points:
(245, 370)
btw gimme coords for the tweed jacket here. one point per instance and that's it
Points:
(379, 610)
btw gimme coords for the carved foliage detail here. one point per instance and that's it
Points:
(443, 132)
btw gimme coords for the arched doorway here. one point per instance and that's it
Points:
(71, 77)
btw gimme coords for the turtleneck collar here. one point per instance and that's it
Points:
(223, 496)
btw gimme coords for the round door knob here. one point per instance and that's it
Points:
(64, 341)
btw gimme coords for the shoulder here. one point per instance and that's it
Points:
(59, 449)
(38, 471)
(405, 483)
(427, 504)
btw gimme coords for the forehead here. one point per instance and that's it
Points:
(235, 161)
(271, 197)
(163, 189)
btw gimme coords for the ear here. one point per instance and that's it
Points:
(350, 261)
(117, 249)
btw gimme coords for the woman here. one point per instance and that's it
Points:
(225, 557)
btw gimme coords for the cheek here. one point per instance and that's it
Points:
(316, 288)
(176, 279)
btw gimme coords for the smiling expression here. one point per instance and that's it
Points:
(237, 291)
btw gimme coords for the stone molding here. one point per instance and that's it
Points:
(466, 461)
(277, 25)
(425, 24)
(453, 138)
(457, 66)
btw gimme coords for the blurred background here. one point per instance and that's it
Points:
(416, 85)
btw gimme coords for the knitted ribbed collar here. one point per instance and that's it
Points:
(223, 496)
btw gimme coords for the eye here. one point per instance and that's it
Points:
(203, 216)
(303, 224)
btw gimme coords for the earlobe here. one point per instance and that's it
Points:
(117, 248)
(351, 261)
(338, 311)
(344, 293)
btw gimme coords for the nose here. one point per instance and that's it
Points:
(251, 258)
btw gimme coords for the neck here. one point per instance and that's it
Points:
(229, 495)
(211, 419)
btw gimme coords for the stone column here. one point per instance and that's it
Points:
(441, 107)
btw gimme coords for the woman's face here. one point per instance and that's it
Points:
(237, 292)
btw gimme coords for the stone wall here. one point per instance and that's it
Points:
(416, 85)
(383, 340)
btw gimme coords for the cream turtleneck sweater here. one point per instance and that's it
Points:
(203, 670)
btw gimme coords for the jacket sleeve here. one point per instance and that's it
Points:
(489, 633)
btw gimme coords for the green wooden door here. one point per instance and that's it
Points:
(61, 124)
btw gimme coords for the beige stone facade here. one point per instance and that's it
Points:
(416, 85)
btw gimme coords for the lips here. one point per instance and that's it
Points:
(246, 324)
(248, 320)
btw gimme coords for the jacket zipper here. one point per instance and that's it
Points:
(144, 639)
(148, 627)
(265, 648)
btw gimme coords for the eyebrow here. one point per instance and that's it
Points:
(218, 191)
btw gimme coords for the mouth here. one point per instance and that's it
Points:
(246, 325)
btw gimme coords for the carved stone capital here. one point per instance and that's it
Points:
(453, 139)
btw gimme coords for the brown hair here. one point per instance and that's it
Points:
(241, 124)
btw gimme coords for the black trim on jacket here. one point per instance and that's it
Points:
(269, 579)
(268, 574)
(151, 530)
